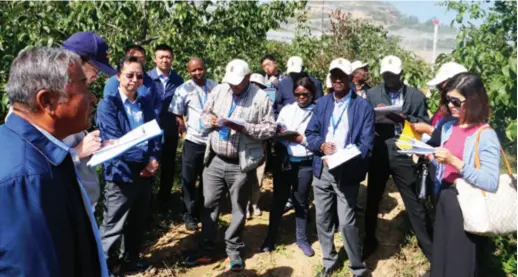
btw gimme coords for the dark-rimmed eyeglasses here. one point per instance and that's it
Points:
(139, 76)
(456, 102)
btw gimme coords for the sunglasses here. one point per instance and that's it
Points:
(456, 102)
(305, 94)
(140, 76)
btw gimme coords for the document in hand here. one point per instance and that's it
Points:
(138, 135)
(410, 145)
(407, 134)
(222, 120)
(341, 156)
(381, 113)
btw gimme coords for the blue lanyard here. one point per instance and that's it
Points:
(394, 96)
(199, 97)
(235, 100)
(335, 125)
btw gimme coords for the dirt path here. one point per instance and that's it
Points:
(396, 256)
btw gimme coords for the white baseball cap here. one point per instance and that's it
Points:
(295, 64)
(358, 64)
(329, 84)
(391, 64)
(445, 72)
(236, 71)
(257, 78)
(342, 64)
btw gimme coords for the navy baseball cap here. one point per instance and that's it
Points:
(92, 46)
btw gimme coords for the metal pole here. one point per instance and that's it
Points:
(435, 35)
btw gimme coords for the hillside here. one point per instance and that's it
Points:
(415, 36)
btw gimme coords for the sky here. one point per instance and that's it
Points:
(425, 10)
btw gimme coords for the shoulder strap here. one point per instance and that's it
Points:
(477, 155)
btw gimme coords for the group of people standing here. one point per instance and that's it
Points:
(232, 133)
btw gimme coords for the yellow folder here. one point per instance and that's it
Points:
(406, 136)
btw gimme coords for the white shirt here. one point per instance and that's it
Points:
(338, 136)
(188, 100)
(295, 118)
(162, 78)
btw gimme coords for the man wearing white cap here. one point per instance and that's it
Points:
(340, 120)
(295, 70)
(239, 117)
(386, 161)
(360, 75)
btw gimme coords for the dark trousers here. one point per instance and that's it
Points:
(167, 167)
(192, 168)
(328, 189)
(295, 182)
(454, 251)
(126, 210)
(221, 176)
(383, 163)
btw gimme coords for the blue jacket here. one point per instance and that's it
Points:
(361, 133)
(113, 123)
(147, 90)
(488, 175)
(284, 95)
(167, 120)
(45, 230)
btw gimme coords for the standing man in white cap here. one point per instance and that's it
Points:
(359, 78)
(295, 70)
(386, 161)
(340, 120)
(232, 155)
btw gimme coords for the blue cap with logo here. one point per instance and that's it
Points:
(92, 46)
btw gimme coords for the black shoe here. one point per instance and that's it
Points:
(325, 272)
(267, 247)
(288, 206)
(190, 223)
(135, 266)
(369, 247)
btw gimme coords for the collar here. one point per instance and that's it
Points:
(124, 98)
(160, 75)
(343, 99)
(242, 95)
(50, 147)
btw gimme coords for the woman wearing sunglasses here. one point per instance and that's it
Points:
(127, 193)
(295, 172)
(454, 250)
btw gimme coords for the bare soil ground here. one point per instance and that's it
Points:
(398, 254)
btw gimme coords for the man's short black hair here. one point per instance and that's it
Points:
(164, 47)
(135, 47)
(268, 57)
(128, 59)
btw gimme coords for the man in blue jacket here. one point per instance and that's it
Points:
(284, 95)
(340, 120)
(147, 89)
(47, 228)
(165, 82)
(128, 189)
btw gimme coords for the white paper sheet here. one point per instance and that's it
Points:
(381, 113)
(138, 135)
(341, 156)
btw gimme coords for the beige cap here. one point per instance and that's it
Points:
(391, 64)
(342, 64)
(235, 72)
(295, 65)
(445, 72)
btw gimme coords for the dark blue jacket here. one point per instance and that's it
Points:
(285, 95)
(113, 123)
(147, 90)
(361, 133)
(167, 120)
(45, 230)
